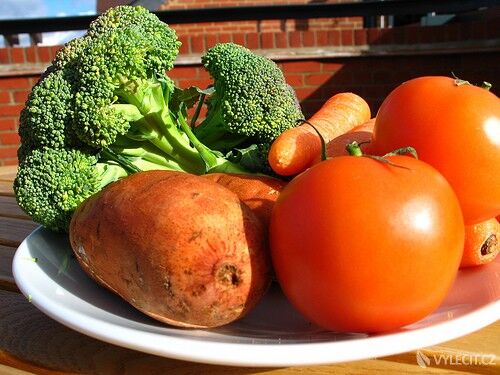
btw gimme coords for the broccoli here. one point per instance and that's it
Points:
(44, 119)
(102, 110)
(51, 183)
(252, 103)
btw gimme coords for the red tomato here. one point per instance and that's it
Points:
(362, 246)
(455, 128)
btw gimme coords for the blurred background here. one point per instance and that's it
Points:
(323, 46)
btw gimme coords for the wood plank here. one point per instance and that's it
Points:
(6, 188)
(6, 277)
(14, 231)
(10, 208)
(8, 172)
(31, 341)
(7, 175)
(6, 257)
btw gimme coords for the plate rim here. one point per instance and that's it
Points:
(256, 354)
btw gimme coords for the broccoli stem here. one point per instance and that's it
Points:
(141, 152)
(109, 172)
(213, 163)
(158, 127)
(214, 134)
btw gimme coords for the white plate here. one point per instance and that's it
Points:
(273, 334)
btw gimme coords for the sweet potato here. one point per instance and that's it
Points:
(258, 192)
(178, 247)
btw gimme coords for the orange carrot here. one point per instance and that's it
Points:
(361, 134)
(481, 243)
(258, 192)
(364, 127)
(296, 148)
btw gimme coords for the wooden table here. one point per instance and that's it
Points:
(31, 342)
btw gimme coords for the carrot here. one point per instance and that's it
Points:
(481, 243)
(258, 192)
(361, 134)
(296, 149)
(365, 127)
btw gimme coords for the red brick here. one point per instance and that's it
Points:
(4, 55)
(308, 39)
(380, 76)
(10, 161)
(347, 37)
(466, 30)
(223, 38)
(8, 152)
(398, 35)
(4, 97)
(44, 54)
(9, 139)
(334, 37)
(17, 55)
(331, 66)
(452, 32)
(20, 96)
(412, 34)
(239, 38)
(267, 40)
(322, 38)
(253, 40)
(184, 49)
(360, 37)
(364, 76)
(197, 45)
(375, 91)
(492, 28)
(183, 72)
(385, 36)
(294, 80)
(210, 40)
(317, 79)
(31, 54)
(310, 106)
(15, 83)
(294, 39)
(8, 124)
(479, 30)
(305, 92)
(302, 66)
(202, 73)
(201, 83)
(280, 40)
(372, 35)
(10, 109)
(343, 76)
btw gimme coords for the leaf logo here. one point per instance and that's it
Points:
(422, 360)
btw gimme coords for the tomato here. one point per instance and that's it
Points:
(454, 127)
(359, 245)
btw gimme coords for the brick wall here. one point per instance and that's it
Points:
(370, 62)
(258, 26)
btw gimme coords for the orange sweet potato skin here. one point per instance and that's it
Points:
(259, 193)
(178, 247)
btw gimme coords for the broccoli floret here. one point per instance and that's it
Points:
(43, 121)
(162, 37)
(252, 103)
(51, 183)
